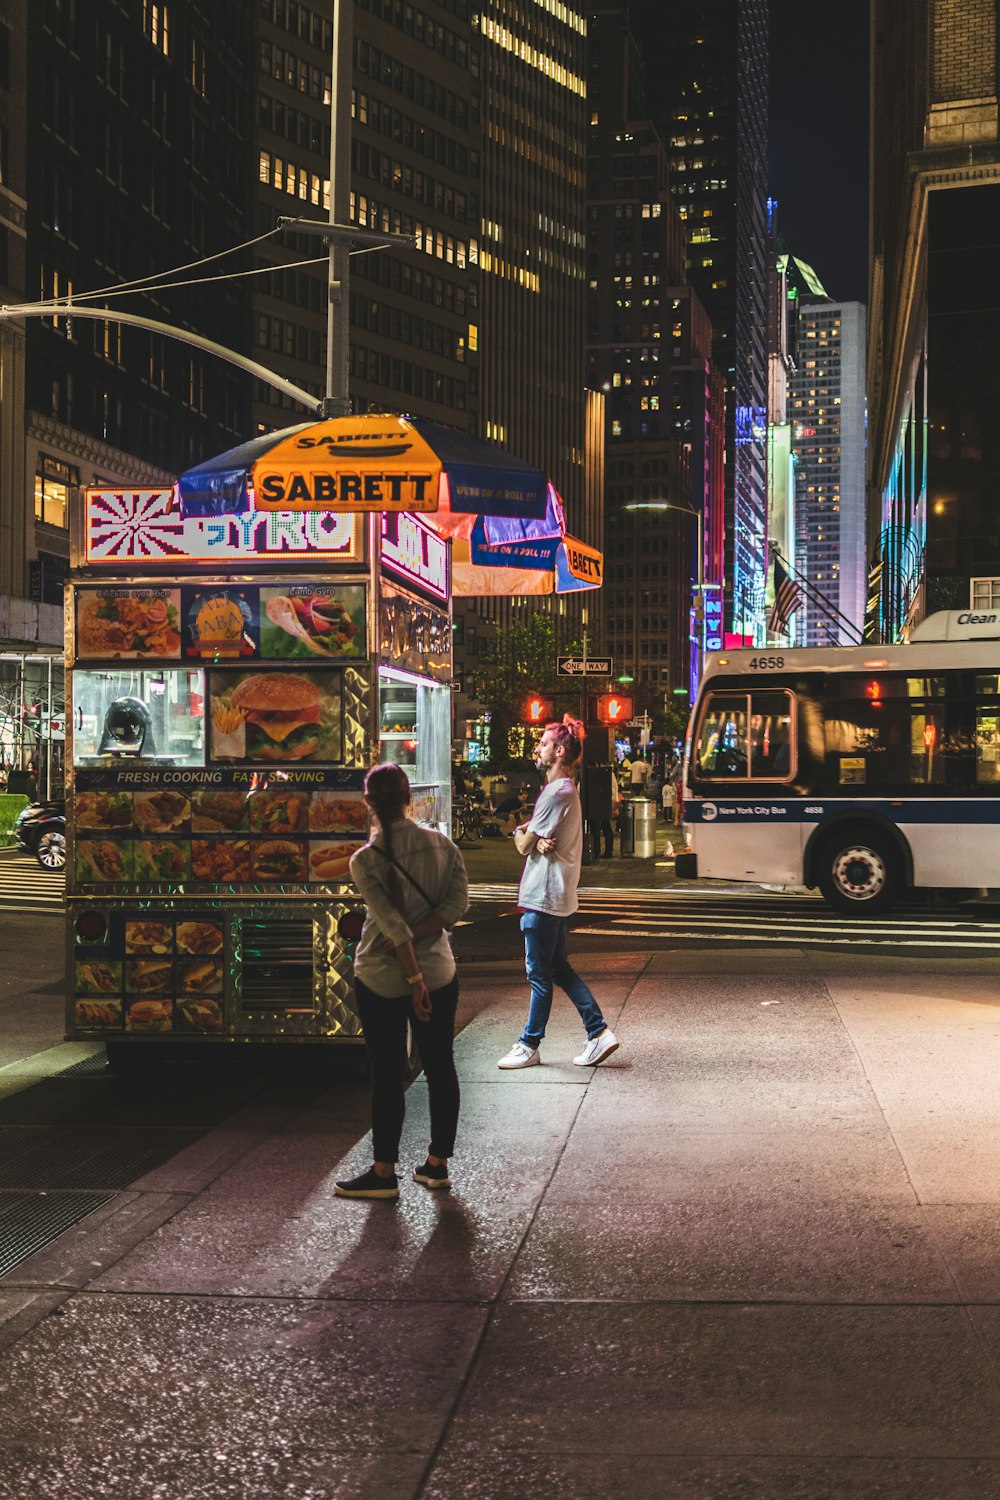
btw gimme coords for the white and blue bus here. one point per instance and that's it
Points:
(863, 770)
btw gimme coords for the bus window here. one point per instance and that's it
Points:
(722, 739)
(744, 736)
(987, 729)
(893, 734)
(770, 737)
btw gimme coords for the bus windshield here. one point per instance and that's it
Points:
(746, 736)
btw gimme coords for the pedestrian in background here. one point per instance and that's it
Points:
(552, 844)
(669, 799)
(415, 888)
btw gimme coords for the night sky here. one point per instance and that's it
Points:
(818, 159)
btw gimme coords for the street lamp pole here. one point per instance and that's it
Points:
(337, 230)
(685, 510)
(337, 401)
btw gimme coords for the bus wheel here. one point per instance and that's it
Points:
(859, 873)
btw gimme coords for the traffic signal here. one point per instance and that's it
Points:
(537, 709)
(614, 708)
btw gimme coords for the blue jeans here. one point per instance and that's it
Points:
(546, 964)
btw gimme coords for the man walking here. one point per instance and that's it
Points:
(552, 843)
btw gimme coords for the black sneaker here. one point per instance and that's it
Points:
(433, 1176)
(368, 1185)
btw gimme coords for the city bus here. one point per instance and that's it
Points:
(865, 771)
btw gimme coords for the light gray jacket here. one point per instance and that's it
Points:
(436, 864)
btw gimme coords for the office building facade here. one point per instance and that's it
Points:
(710, 106)
(933, 361)
(826, 407)
(650, 350)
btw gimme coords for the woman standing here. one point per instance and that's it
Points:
(415, 888)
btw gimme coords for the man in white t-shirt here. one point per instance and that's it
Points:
(552, 843)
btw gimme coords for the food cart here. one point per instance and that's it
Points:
(230, 678)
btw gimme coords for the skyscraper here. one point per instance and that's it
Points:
(650, 350)
(826, 402)
(934, 329)
(711, 65)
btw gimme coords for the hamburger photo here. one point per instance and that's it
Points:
(149, 1015)
(282, 716)
(279, 859)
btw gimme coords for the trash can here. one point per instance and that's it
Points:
(626, 823)
(644, 827)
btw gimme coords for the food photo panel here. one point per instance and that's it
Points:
(331, 862)
(270, 717)
(99, 1015)
(278, 860)
(220, 624)
(149, 1014)
(218, 811)
(162, 812)
(199, 938)
(146, 935)
(338, 813)
(98, 976)
(279, 810)
(103, 810)
(128, 623)
(220, 861)
(198, 1013)
(163, 859)
(310, 621)
(103, 860)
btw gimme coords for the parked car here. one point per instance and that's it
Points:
(41, 830)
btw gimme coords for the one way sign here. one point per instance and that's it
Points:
(585, 666)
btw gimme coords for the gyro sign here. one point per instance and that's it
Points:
(373, 463)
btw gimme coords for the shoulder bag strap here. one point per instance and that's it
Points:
(404, 871)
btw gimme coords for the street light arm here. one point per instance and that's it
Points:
(136, 320)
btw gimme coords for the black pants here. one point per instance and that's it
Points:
(384, 1023)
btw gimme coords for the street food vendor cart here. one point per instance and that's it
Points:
(233, 669)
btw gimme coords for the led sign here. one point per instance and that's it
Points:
(122, 528)
(414, 553)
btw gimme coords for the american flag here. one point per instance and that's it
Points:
(787, 598)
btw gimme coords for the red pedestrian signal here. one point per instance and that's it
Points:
(614, 708)
(537, 710)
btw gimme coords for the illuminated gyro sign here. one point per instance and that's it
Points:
(122, 528)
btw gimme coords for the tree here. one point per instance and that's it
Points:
(521, 661)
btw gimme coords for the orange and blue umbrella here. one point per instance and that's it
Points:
(504, 519)
(368, 462)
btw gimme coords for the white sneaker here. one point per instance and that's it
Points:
(520, 1056)
(597, 1049)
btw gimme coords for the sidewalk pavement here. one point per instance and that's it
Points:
(496, 860)
(753, 1255)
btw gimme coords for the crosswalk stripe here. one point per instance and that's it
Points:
(867, 929)
(790, 941)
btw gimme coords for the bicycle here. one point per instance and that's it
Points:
(472, 820)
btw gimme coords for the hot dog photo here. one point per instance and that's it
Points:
(331, 862)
